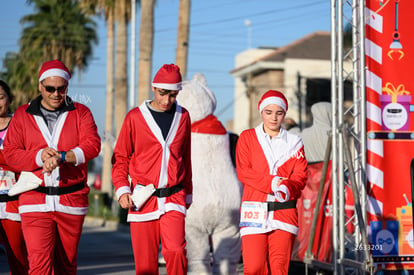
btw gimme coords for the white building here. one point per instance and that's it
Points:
(301, 70)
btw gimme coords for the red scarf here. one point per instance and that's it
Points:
(208, 125)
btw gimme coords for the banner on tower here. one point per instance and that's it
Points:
(389, 55)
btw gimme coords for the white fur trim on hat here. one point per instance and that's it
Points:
(272, 100)
(167, 86)
(54, 72)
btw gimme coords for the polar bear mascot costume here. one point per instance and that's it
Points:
(212, 221)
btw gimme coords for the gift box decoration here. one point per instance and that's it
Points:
(395, 108)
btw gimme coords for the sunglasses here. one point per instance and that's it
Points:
(51, 89)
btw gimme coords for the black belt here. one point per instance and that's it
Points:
(274, 205)
(166, 192)
(6, 198)
(50, 190)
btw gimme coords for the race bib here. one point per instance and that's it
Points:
(253, 214)
(7, 180)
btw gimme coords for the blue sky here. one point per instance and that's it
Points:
(218, 32)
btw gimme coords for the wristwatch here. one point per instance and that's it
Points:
(62, 156)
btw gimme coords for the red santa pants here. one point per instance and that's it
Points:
(145, 238)
(267, 253)
(12, 237)
(52, 240)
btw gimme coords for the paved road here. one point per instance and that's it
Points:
(102, 250)
(106, 249)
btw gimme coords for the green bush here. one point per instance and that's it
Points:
(100, 205)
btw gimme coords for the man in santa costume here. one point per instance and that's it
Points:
(272, 167)
(154, 150)
(50, 140)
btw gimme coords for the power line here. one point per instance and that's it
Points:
(219, 21)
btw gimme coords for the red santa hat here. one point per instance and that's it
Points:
(273, 97)
(54, 68)
(168, 77)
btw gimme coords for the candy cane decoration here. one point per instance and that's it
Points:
(375, 153)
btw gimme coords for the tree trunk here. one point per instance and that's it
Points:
(109, 114)
(146, 38)
(182, 36)
(121, 81)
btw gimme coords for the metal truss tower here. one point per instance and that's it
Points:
(350, 255)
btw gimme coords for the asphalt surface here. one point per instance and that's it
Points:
(105, 248)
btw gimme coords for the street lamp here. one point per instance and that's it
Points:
(248, 24)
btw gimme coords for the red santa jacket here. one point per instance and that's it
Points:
(259, 170)
(142, 153)
(10, 209)
(28, 135)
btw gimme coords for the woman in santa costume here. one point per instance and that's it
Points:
(272, 167)
(10, 226)
(154, 150)
(49, 141)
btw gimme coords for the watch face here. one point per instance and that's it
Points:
(394, 116)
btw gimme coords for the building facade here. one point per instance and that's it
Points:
(301, 70)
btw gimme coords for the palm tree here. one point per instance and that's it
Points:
(146, 41)
(182, 36)
(108, 8)
(120, 10)
(122, 16)
(57, 30)
(19, 76)
(61, 31)
(109, 114)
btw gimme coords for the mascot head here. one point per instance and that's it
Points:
(197, 98)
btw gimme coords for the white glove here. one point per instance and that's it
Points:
(27, 181)
(142, 194)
